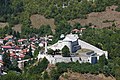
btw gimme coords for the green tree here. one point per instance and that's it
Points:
(14, 65)
(4, 42)
(54, 74)
(39, 68)
(65, 52)
(102, 61)
(46, 76)
(117, 73)
(18, 34)
(77, 26)
(50, 51)
(36, 52)
(6, 60)
(12, 76)
(45, 30)
(30, 51)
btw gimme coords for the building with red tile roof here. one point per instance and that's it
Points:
(75, 30)
(7, 47)
(12, 54)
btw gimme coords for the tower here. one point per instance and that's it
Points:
(46, 44)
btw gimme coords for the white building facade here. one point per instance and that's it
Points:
(74, 44)
(71, 41)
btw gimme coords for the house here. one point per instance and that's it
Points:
(1, 65)
(50, 37)
(21, 41)
(1, 41)
(1, 68)
(78, 31)
(82, 29)
(9, 37)
(41, 44)
(17, 49)
(9, 43)
(6, 47)
(11, 48)
(75, 30)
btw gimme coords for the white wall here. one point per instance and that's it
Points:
(0, 57)
(58, 58)
(91, 47)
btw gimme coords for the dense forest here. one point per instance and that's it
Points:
(19, 11)
(15, 12)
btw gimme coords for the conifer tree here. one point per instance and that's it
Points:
(65, 52)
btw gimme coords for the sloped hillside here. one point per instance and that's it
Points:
(2, 25)
(107, 18)
(17, 27)
(78, 76)
(39, 20)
